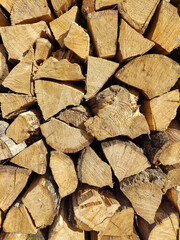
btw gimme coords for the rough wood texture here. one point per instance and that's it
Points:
(125, 158)
(12, 182)
(60, 26)
(98, 72)
(3, 64)
(117, 114)
(65, 138)
(92, 208)
(137, 13)
(173, 195)
(103, 27)
(62, 6)
(43, 50)
(92, 170)
(12, 236)
(173, 173)
(41, 201)
(138, 73)
(164, 29)
(105, 3)
(7, 4)
(173, 131)
(64, 173)
(87, 7)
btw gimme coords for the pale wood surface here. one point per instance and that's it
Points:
(7, 4)
(105, 3)
(12, 236)
(43, 50)
(173, 195)
(173, 173)
(62, 6)
(3, 64)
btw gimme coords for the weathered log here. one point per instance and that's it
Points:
(87, 7)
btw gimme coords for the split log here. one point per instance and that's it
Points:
(57, 96)
(42, 201)
(173, 173)
(62, 6)
(131, 43)
(1, 218)
(117, 114)
(7, 4)
(101, 4)
(87, 7)
(164, 29)
(25, 11)
(103, 27)
(137, 14)
(12, 182)
(145, 191)
(138, 73)
(3, 19)
(3, 64)
(65, 138)
(92, 170)
(98, 72)
(125, 158)
(173, 131)
(64, 173)
(93, 209)
(173, 195)
(12, 236)
(43, 49)
(78, 41)
(60, 26)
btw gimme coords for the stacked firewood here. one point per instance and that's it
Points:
(89, 129)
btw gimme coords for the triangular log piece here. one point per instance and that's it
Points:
(62, 6)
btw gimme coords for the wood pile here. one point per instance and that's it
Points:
(90, 119)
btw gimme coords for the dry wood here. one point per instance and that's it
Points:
(173, 131)
(62, 6)
(125, 158)
(43, 49)
(92, 170)
(65, 138)
(12, 182)
(63, 54)
(131, 43)
(173, 195)
(93, 209)
(98, 72)
(3, 64)
(64, 173)
(137, 13)
(138, 73)
(57, 96)
(87, 7)
(1, 217)
(41, 201)
(3, 19)
(165, 28)
(78, 41)
(7, 4)
(117, 114)
(173, 173)
(60, 26)
(103, 27)
(105, 3)
(13, 236)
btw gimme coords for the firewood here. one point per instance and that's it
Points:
(173, 195)
(3, 19)
(64, 173)
(173, 173)
(60, 26)
(145, 191)
(165, 226)
(13, 180)
(65, 138)
(7, 4)
(100, 4)
(3, 64)
(18, 220)
(87, 7)
(117, 114)
(165, 28)
(19, 79)
(57, 95)
(41, 201)
(173, 131)
(62, 6)
(125, 158)
(92, 170)
(13, 236)
(43, 49)
(93, 209)
(98, 72)
(61, 70)
(23, 37)
(24, 11)
(137, 14)
(103, 27)
(1, 217)
(138, 73)
(131, 43)
(78, 41)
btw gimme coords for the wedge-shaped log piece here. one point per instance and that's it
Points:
(165, 28)
(78, 41)
(7, 4)
(61, 70)
(117, 114)
(64, 173)
(23, 37)
(144, 71)
(43, 49)
(12, 182)
(12, 236)
(92, 170)
(93, 209)
(131, 43)
(137, 13)
(125, 158)
(57, 96)
(65, 138)
(87, 7)
(166, 224)
(60, 26)
(98, 72)
(145, 191)
(62, 6)
(103, 27)
(13, 104)
(105, 3)
(3, 64)
(41, 201)
(173, 195)
(18, 220)
(173, 173)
